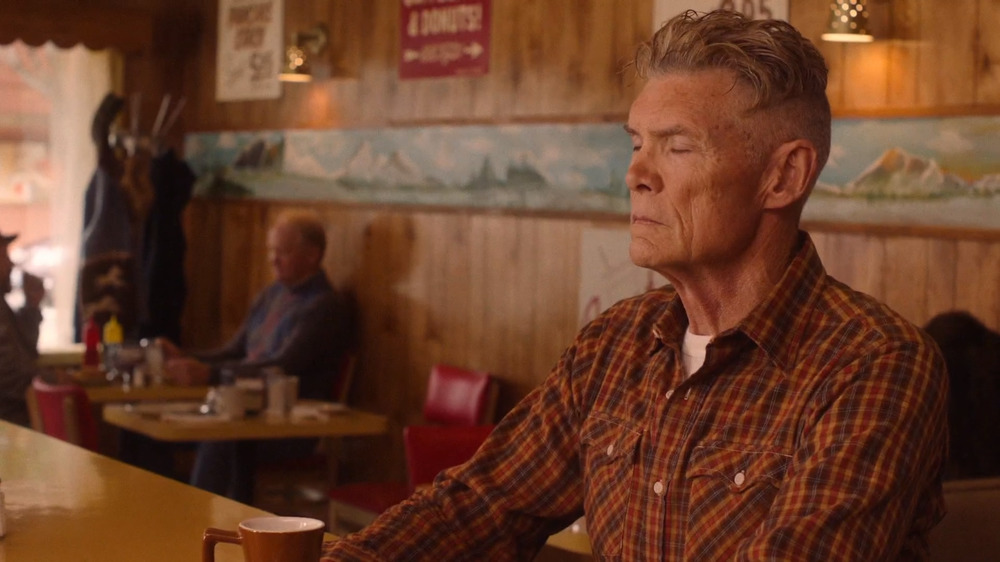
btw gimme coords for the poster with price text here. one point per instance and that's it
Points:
(757, 9)
(250, 49)
(444, 38)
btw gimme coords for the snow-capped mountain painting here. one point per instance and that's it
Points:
(931, 171)
(940, 171)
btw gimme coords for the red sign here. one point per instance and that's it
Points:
(444, 38)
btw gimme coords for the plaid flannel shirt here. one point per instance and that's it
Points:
(815, 430)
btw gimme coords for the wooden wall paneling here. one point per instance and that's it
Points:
(988, 54)
(203, 274)
(902, 67)
(978, 274)
(519, 370)
(243, 244)
(503, 298)
(904, 286)
(518, 31)
(452, 291)
(378, 98)
(864, 75)
(904, 46)
(947, 67)
(479, 299)
(421, 293)
(556, 294)
(858, 261)
(942, 284)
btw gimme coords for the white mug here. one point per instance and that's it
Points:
(229, 402)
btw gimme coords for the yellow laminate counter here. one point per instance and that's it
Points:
(65, 503)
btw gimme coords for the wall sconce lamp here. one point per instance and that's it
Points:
(305, 45)
(848, 22)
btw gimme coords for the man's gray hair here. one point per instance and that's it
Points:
(785, 71)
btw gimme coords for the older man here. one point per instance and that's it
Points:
(756, 409)
(299, 323)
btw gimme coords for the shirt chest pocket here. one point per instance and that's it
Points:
(609, 456)
(731, 487)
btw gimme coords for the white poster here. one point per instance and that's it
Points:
(607, 274)
(249, 49)
(757, 9)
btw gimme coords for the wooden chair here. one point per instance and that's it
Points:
(62, 411)
(306, 478)
(455, 396)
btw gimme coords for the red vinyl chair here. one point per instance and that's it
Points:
(459, 396)
(433, 448)
(455, 397)
(63, 411)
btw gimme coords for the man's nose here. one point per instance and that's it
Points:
(642, 175)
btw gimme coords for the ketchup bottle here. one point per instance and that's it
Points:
(91, 339)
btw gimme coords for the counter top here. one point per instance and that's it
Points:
(66, 503)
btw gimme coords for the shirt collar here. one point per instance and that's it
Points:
(774, 325)
(777, 324)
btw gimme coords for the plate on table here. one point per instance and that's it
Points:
(162, 409)
(193, 417)
(317, 410)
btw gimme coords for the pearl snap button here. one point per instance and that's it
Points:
(669, 394)
(611, 450)
(739, 478)
(658, 488)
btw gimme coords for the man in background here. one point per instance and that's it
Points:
(755, 408)
(299, 323)
(18, 338)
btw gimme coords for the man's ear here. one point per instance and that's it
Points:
(789, 174)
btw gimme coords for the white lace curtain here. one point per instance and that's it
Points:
(75, 80)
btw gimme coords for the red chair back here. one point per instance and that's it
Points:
(459, 396)
(433, 448)
(65, 413)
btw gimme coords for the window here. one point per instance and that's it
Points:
(48, 97)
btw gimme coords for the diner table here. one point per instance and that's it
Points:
(332, 420)
(66, 503)
(105, 393)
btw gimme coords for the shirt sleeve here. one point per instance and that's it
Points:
(236, 348)
(865, 480)
(29, 318)
(522, 485)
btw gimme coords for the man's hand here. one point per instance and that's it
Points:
(34, 289)
(186, 371)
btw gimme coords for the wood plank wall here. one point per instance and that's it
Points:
(498, 291)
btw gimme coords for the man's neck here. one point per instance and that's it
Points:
(717, 300)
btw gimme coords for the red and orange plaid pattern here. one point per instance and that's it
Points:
(816, 430)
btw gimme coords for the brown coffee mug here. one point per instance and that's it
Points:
(270, 539)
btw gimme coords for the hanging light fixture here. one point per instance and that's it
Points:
(305, 45)
(848, 22)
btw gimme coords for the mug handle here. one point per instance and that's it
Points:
(213, 536)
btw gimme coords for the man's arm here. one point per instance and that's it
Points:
(865, 482)
(523, 485)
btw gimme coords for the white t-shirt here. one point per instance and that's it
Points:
(693, 351)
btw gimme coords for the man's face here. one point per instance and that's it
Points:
(694, 189)
(291, 259)
(6, 267)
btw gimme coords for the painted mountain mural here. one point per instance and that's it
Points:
(899, 174)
